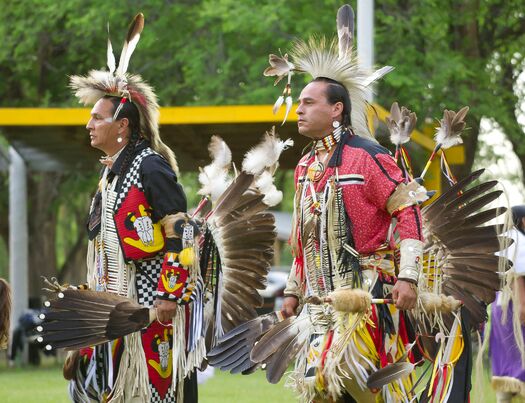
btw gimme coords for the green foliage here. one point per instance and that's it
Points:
(213, 52)
(190, 184)
(193, 52)
(433, 70)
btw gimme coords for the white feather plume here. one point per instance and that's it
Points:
(377, 75)
(214, 178)
(220, 152)
(264, 183)
(110, 55)
(132, 39)
(265, 154)
(273, 197)
(443, 137)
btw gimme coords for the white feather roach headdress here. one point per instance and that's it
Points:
(335, 60)
(130, 87)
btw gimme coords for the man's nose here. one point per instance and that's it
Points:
(89, 124)
(299, 110)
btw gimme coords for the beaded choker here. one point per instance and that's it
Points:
(328, 142)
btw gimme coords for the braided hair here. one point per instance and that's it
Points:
(130, 112)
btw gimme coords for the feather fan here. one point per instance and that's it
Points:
(82, 318)
(277, 364)
(455, 231)
(270, 342)
(242, 239)
(236, 345)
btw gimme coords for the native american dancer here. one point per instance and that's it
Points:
(507, 330)
(133, 250)
(376, 285)
(169, 283)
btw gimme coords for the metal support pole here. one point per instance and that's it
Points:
(365, 36)
(18, 240)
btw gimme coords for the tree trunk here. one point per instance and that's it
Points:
(507, 119)
(42, 200)
(74, 268)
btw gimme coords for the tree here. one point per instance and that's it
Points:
(455, 53)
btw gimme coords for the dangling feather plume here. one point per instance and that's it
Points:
(345, 31)
(451, 126)
(279, 66)
(401, 123)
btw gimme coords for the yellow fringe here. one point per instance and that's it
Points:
(508, 384)
(178, 349)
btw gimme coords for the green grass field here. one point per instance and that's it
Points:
(46, 385)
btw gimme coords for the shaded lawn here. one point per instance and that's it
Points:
(45, 385)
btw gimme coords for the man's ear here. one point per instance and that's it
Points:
(337, 110)
(124, 123)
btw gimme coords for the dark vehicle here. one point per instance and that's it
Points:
(274, 291)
